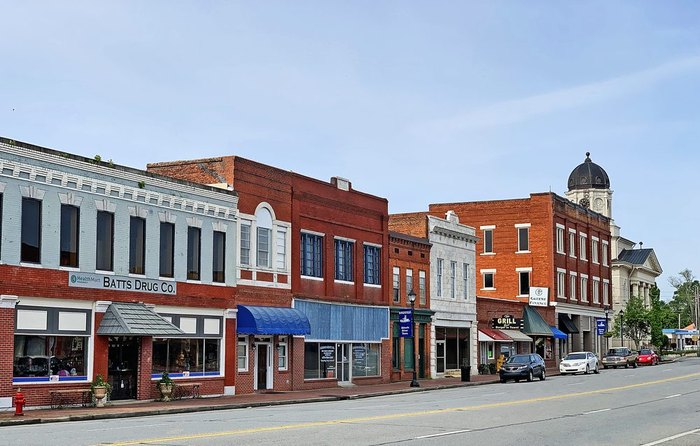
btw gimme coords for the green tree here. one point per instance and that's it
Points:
(660, 316)
(636, 325)
(683, 302)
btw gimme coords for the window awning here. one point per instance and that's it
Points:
(135, 319)
(272, 321)
(558, 333)
(517, 336)
(566, 324)
(534, 324)
(492, 335)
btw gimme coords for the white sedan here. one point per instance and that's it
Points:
(579, 362)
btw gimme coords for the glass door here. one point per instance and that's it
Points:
(440, 354)
(343, 362)
(122, 368)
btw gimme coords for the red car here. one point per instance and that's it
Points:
(647, 356)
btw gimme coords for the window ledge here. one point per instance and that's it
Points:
(489, 289)
(523, 252)
(344, 282)
(74, 269)
(31, 265)
(166, 279)
(487, 254)
(105, 272)
(372, 285)
(318, 279)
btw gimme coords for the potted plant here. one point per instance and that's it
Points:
(100, 390)
(165, 386)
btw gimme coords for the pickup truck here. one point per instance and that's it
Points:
(618, 357)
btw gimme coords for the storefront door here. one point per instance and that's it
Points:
(262, 366)
(343, 362)
(440, 355)
(123, 366)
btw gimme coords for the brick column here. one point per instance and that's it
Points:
(230, 352)
(146, 387)
(7, 348)
(101, 343)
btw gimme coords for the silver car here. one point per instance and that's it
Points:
(579, 362)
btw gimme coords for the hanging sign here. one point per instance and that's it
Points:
(405, 324)
(507, 322)
(601, 326)
(539, 296)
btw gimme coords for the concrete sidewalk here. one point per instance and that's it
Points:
(147, 408)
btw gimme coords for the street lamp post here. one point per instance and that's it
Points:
(607, 313)
(412, 300)
(622, 327)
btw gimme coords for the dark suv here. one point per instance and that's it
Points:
(523, 366)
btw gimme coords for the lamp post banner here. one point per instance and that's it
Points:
(601, 326)
(405, 324)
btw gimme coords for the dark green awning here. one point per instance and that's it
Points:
(534, 323)
(566, 324)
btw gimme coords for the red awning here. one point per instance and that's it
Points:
(493, 335)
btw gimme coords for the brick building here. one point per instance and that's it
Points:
(113, 271)
(331, 269)
(453, 332)
(542, 264)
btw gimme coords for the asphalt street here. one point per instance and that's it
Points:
(644, 406)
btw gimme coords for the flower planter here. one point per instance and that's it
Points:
(166, 390)
(100, 394)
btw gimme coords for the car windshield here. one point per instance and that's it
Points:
(645, 352)
(571, 356)
(519, 359)
(617, 352)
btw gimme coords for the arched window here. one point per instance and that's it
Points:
(263, 237)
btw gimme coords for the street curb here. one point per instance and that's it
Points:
(193, 409)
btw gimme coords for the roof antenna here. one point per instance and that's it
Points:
(641, 245)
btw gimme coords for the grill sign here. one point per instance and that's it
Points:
(121, 283)
(507, 322)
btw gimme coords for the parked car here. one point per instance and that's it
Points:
(523, 366)
(619, 357)
(648, 356)
(579, 362)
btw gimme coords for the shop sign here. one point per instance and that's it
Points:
(358, 352)
(539, 296)
(327, 353)
(507, 322)
(121, 283)
(601, 325)
(405, 324)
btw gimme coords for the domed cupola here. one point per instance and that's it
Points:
(588, 175)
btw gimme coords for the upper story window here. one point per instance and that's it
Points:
(409, 282)
(488, 239)
(194, 251)
(560, 240)
(572, 286)
(453, 279)
(605, 253)
(439, 277)
(219, 257)
(523, 237)
(311, 255)
(606, 292)
(263, 237)
(137, 245)
(31, 230)
(396, 282)
(421, 287)
(594, 250)
(465, 279)
(523, 283)
(344, 260)
(281, 249)
(582, 248)
(105, 241)
(572, 243)
(489, 277)
(167, 249)
(245, 243)
(584, 288)
(70, 235)
(561, 283)
(596, 290)
(372, 265)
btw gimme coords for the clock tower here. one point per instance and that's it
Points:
(589, 186)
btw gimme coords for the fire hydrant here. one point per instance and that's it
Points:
(19, 403)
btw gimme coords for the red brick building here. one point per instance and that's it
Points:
(409, 265)
(329, 262)
(544, 245)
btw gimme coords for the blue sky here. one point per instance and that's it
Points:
(418, 102)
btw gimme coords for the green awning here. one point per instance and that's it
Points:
(534, 323)
(566, 324)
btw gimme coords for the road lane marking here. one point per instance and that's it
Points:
(396, 415)
(673, 396)
(442, 434)
(597, 411)
(672, 437)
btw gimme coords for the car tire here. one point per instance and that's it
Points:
(543, 375)
(588, 369)
(503, 380)
(562, 373)
(517, 380)
(627, 365)
(596, 370)
(605, 367)
(634, 366)
(529, 376)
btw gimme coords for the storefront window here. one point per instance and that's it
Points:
(193, 356)
(319, 360)
(242, 354)
(365, 359)
(282, 353)
(37, 356)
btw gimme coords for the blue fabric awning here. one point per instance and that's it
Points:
(558, 333)
(272, 321)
